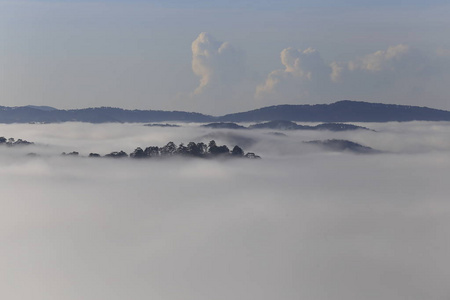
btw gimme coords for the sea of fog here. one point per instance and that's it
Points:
(300, 223)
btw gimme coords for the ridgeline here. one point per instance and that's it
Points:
(341, 111)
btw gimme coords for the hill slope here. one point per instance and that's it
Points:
(341, 111)
(27, 114)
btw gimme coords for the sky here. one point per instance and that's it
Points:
(218, 57)
(300, 223)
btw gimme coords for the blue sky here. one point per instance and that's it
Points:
(139, 54)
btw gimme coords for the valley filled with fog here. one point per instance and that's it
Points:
(300, 223)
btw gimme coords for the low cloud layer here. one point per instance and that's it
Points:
(299, 223)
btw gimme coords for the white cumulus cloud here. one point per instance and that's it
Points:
(221, 68)
(216, 63)
(395, 59)
(302, 69)
(398, 73)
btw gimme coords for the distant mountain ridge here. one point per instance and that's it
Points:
(32, 114)
(341, 111)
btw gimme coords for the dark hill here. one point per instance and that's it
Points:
(289, 125)
(339, 127)
(343, 146)
(341, 111)
(223, 125)
(31, 114)
(279, 125)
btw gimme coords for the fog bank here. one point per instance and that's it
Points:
(300, 223)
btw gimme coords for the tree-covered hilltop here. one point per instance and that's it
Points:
(13, 142)
(287, 125)
(192, 149)
(343, 146)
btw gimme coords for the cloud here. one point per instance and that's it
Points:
(302, 70)
(338, 224)
(381, 60)
(216, 63)
(400, 60)
(399, 73)
(223, 84)
(443, 52)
